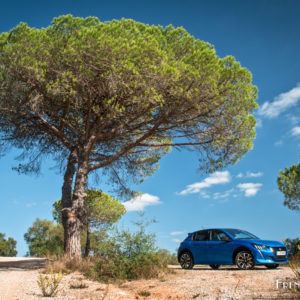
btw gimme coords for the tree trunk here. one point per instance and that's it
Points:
(75, 215)
(66, 198)
(88, 238)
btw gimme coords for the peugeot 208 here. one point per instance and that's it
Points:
(222, 246)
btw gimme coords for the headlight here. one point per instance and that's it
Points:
(260, 247)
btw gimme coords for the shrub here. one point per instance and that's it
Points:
(292, 245)
(129, 255)
(50, 283)
(7, 246)
(45, 238)
(169, 258)
(79, 284)
(295, 267)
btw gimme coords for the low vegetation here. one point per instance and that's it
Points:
(295, 266)
(79, 284)
(120, 255)
(7, 246)
(50, 284)
(292, 245)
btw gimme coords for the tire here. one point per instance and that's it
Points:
(215, 267)
(244, 260)
(186, 260)
(272, 266)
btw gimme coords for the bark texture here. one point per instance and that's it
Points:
(88, 239)
(75, 215)
(67, 195)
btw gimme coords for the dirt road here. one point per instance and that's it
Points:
(18, 278)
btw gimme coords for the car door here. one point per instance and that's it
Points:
(220, 248)
(199, 245)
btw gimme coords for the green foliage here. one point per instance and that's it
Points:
(101, 210)
(292, 245)
(128, 255)
(7, 246)
(45, 238)
(289, 184)
(169, 258)
(130, 91)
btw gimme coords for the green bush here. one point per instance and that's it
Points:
(129, 255)
(7, 246)
(169, 258)
(292, 245)
(146, 266)
(45, 238)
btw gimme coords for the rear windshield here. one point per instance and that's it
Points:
(242, 234)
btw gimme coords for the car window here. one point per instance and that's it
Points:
(201, 236)
(241, 234)
(218, 235)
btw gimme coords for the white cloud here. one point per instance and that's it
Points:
(224, 200)
(223, 195)
(250, 189)
(215, 178)
(176, 240)
(281, 103)
(204, 195)
(253, 174)
(250, 174)
(293, 119)
(278, 143)
(177, 233)
(140, 202)
(296, 131)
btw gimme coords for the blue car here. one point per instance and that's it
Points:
(222, 246)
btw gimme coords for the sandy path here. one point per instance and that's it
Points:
(18, 282)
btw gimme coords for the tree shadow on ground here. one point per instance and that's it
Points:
(27, 264)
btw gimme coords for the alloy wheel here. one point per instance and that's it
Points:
(244, 260)
(186, 261)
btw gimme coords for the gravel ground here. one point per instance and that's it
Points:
(18, 281)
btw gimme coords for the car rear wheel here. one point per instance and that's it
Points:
(244, 260)
(272, 266)
(215, 267)
(186, 260)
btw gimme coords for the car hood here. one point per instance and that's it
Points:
(265, 242)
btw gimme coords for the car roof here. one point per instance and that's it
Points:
(215, 229)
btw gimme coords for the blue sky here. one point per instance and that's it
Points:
(264, 37)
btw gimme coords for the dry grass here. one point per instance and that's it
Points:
(49, 284)
(68, 264)
(144, 293)
(295, 267)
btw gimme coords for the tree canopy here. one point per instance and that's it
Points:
(117, 96)
(45, 238)
(289, 184)
(7, 246)
(102, 210)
